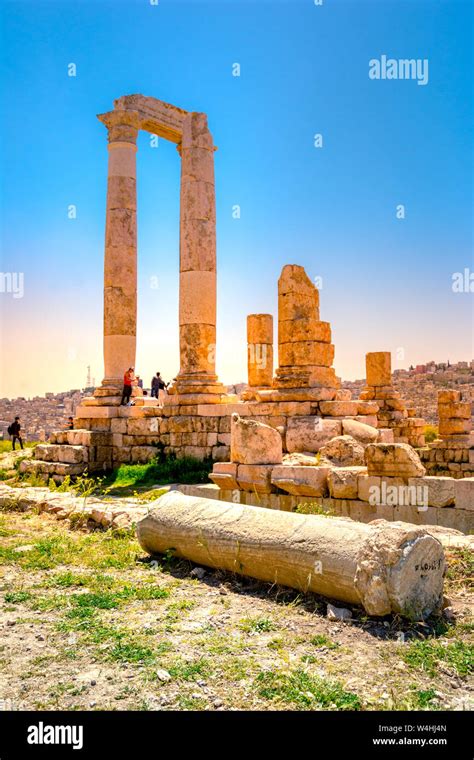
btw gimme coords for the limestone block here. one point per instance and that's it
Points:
(303, 353)
(143, 454)
(363, 433)
(378, 368)
(260, 328)
(254, 443)
(255, 477)
(464, 493)
(338, 408)
(343, 451)
(118, 426)
(197, 298)
(343, 394)
(324, 376)
(304, 460)
(449, 397)
(300, 480)
(367, 407)
(224, 475)
(197, 344)
(366, 485)
(453, 426)
(308, 434)
(303, 329)
(139, 426)
(440, 489)
(458, 409)
(72, 454)
(343, 482)
(198, 201)
(393, 459)
(46, 452)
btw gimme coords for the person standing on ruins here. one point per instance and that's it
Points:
(162, 386)
(128, 380)
(15, 431)
(155, 385)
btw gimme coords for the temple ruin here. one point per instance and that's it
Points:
(293, 434)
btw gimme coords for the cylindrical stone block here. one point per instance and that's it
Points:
(260, 350)
(197, 295)
(387, 568)
(120, 260)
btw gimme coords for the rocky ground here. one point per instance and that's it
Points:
(87, 621)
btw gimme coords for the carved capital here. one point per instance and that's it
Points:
(122, 125)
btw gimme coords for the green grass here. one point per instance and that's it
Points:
(93, 550)
(170, 470)
(6, 446)
(323, 641)
(305, 691)
(428, 655)
(17, 597)
(184, 670)
(257, 625)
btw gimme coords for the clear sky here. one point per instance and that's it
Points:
(304, 70)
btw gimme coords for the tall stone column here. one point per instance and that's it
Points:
(197, 278)
(120, 261)
(260, 350)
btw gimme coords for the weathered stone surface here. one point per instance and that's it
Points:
(393, 459)
(308, 434)
(303, 460)
(378, 368)
(304, 353)
(464, 493)
(449, 397)
(260, 350)
(380, 566)
(303, 330)
(461, 410)
(301, 480)
(254, 443)
(338, 408)
(454, 426)
(363, 433)
(366, 484)
(343, 451)
(440, 489)
(255, 477)
(224, 475)
(343, 482)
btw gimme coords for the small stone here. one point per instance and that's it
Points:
(338, 613)
(163, 675)
(93, 683)
(40, 637)
(198, 572)
(11, 622)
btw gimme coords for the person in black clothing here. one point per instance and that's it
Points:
(15, 432)
(70, 423)
(155, 385)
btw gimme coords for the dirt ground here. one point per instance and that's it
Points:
(87, 621)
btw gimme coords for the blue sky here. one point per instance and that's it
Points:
(304, 70)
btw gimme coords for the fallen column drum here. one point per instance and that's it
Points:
(385, 567)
